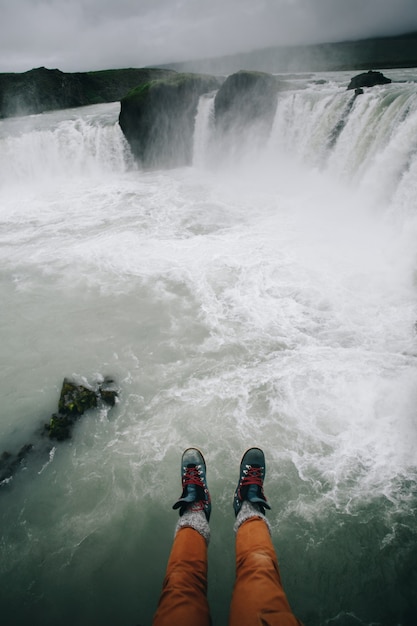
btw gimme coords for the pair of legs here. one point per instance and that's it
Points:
(258, 596)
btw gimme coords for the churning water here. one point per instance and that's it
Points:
(264, 298)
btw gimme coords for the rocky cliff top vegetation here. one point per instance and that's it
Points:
(42, 89)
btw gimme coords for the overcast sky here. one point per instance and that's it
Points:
(82, 35)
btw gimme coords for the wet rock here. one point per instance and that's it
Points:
(368, 79)
(108, 391)
(245, 98)
(157, 118)
(74, 400)
(60, 426)
(9, 462)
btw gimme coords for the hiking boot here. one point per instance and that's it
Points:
(251, 480)
(195, 494)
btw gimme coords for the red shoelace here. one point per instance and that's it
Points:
(253, 476)
(192, 477)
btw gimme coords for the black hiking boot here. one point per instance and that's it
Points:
(195, 494)
(251, 480)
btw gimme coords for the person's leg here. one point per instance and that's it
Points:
(258, 596)
(183, 600)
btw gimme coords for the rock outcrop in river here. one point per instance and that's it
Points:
(158, 117)
(244, 99)
(75, 399)
(368, 79)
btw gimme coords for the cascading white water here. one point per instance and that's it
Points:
(369, 141)
(269, 301)
(43, 146)
(203, 129)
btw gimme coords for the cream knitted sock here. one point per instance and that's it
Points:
(247, 511)
(196, 520)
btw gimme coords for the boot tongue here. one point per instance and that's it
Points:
(191, 494)
(254, 496)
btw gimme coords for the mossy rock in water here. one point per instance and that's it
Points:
(60, 427)
(157, 118)
(75, 399)
(73, 402)
(108, 391)
(9, 463)
(368, 79)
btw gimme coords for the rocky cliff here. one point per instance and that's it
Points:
(158, 118)
(42, 89)
(244, 109)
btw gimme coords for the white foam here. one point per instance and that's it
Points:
(262, 303)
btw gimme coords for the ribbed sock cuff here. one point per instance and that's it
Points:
(247, 511)
(196, 520)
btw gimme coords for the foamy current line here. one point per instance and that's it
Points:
(269, 301)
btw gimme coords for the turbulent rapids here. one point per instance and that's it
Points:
(265, 295)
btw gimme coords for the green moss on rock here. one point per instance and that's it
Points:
(158, 118)
(43, 89)
(74, 400)
(60, 426)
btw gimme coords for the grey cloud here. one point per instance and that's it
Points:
(96, 34)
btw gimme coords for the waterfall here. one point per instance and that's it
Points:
(256, 298)
(369, 140)
(203, 129)
(42, 146)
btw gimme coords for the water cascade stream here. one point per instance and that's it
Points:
(270, 300)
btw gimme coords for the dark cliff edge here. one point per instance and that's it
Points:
(246, 100)
(41, 89)
(158, 118)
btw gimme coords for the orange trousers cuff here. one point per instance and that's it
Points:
(183, 600)
(258, 596)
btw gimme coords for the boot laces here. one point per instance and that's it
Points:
(192, 476)
(252, 475)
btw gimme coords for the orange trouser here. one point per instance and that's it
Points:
(258, 597)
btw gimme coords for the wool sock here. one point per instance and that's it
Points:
(196, 520)
(248, 510)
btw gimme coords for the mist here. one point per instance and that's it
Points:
(93, 34)
(264, 293)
